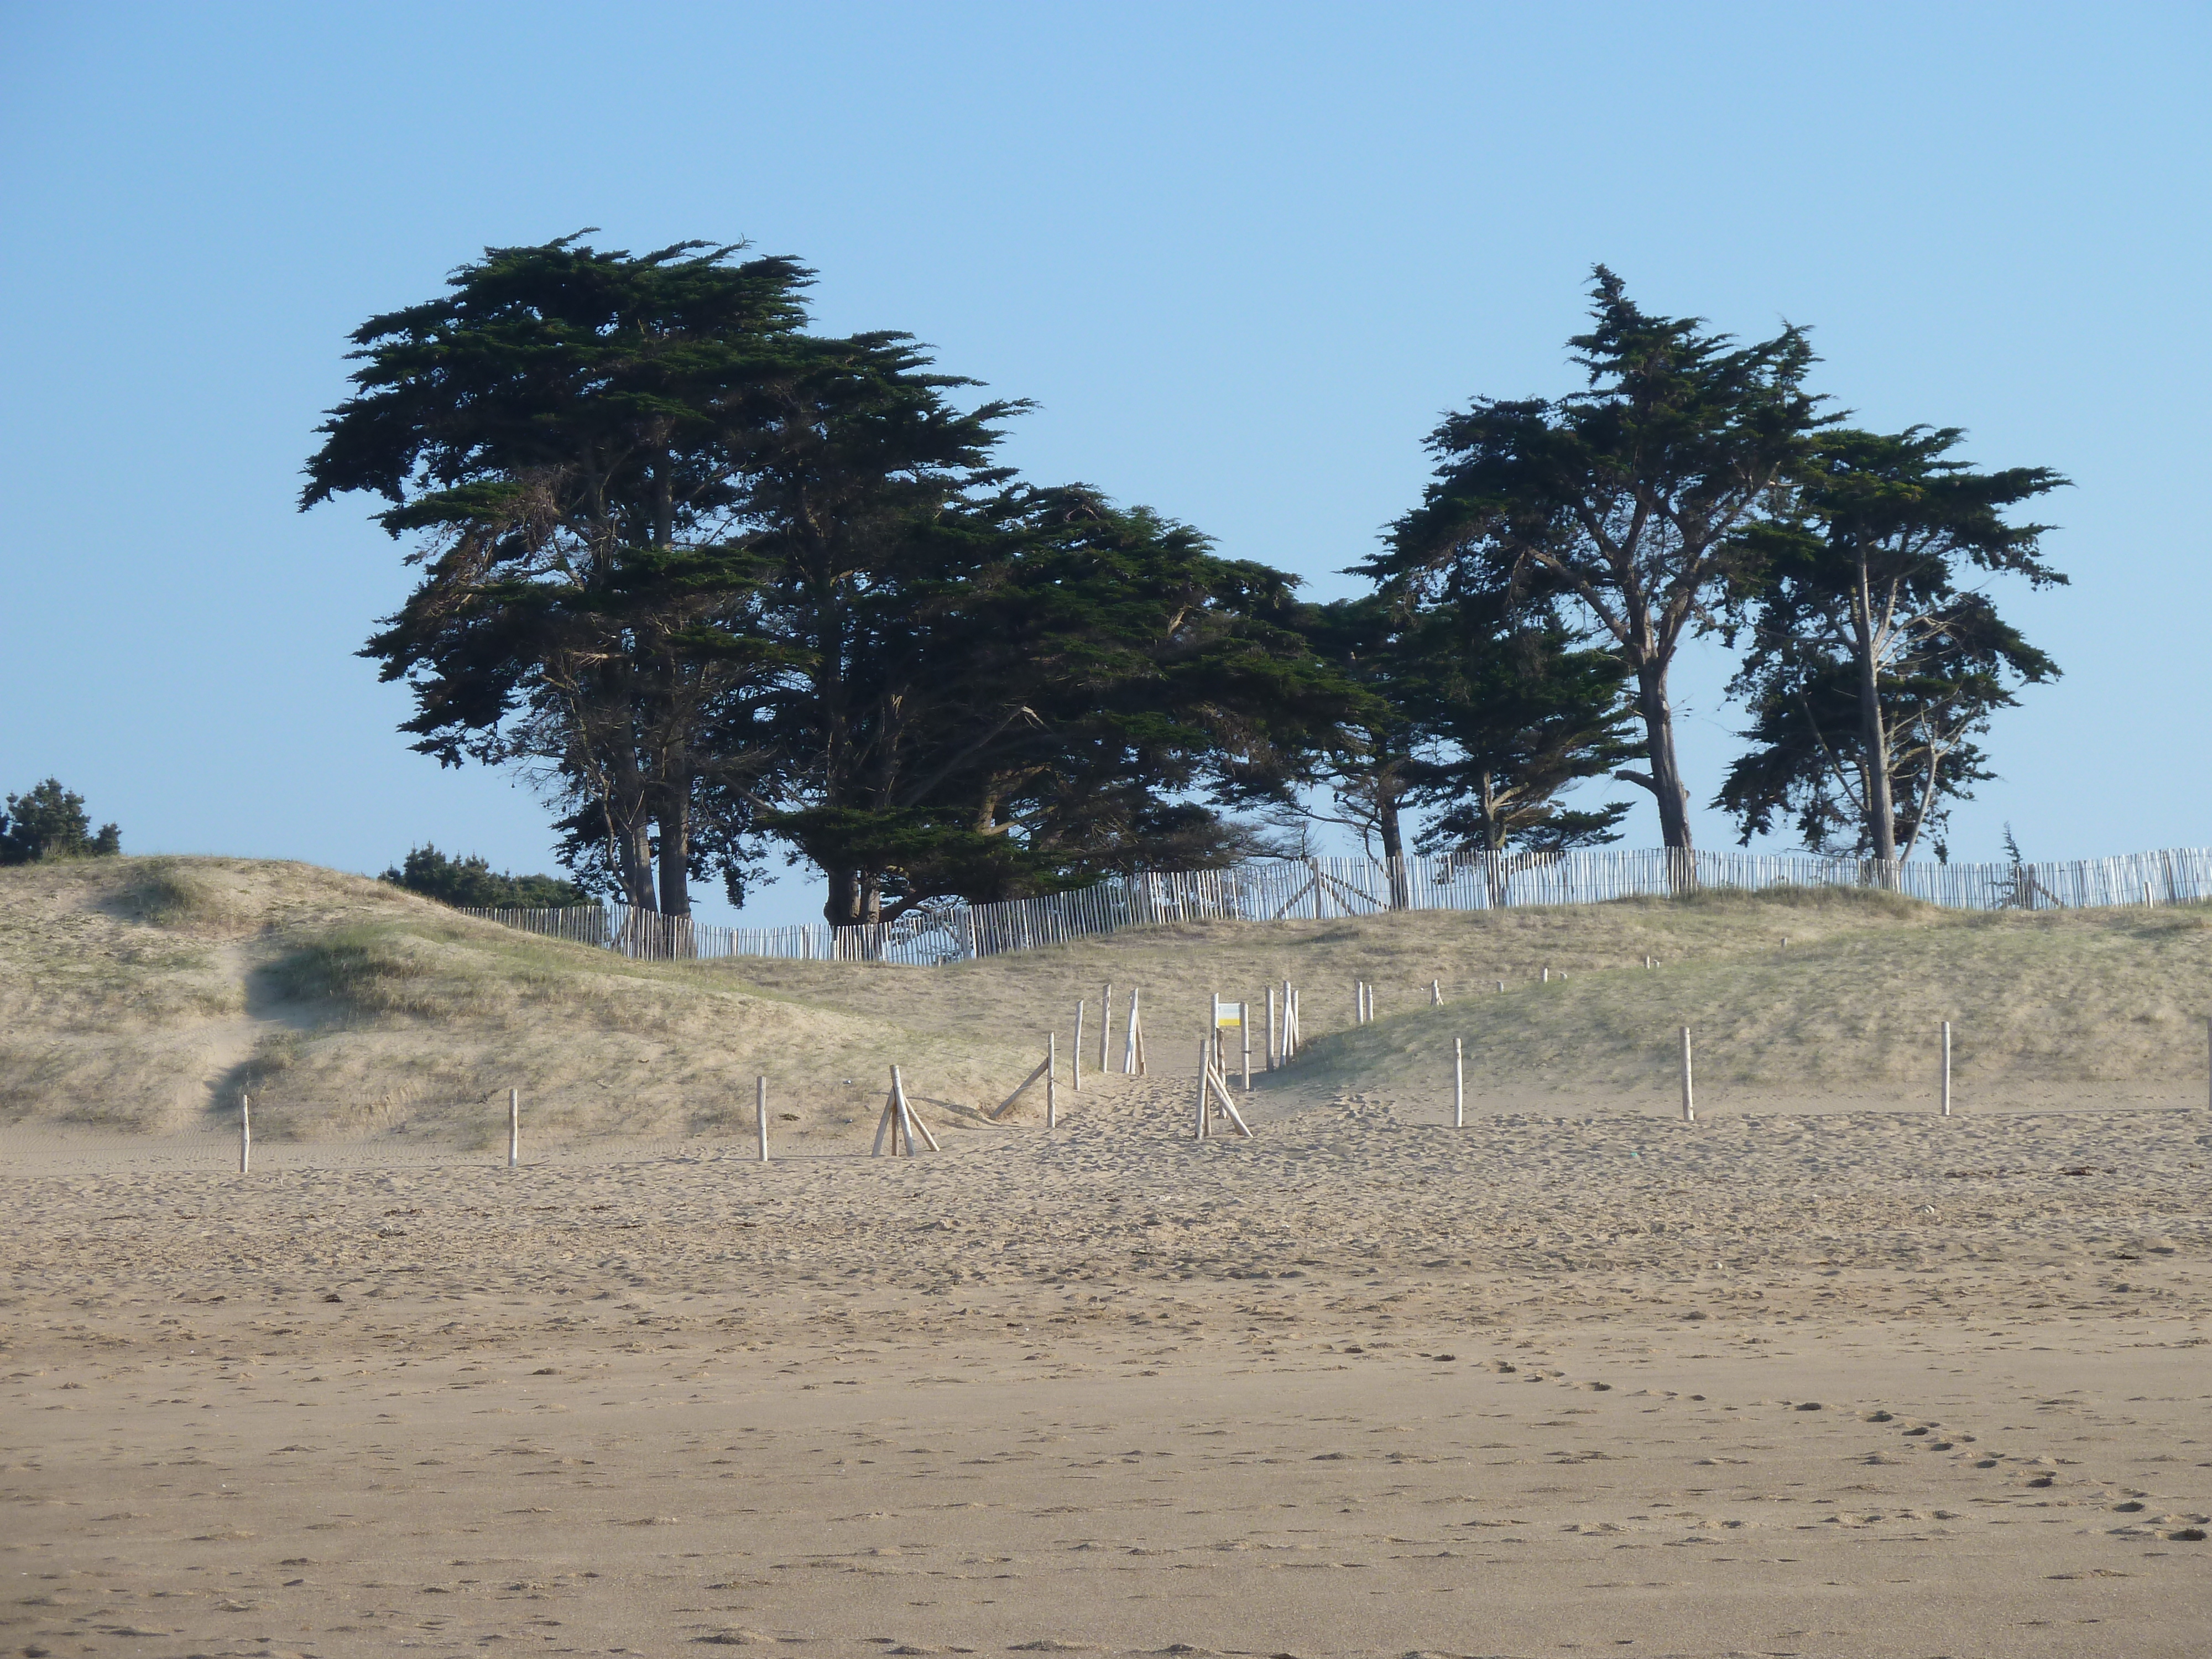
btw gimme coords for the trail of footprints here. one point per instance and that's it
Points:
(2134, 1508)
(1928, 1435)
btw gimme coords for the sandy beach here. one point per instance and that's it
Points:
(1864, 1383)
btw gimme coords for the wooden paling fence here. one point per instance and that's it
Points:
(1320, 889)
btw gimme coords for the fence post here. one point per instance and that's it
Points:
(1689, 1099)
(1459, 1083)
(245, 1133)
(760, 1114)
(1947, 1069)
(514, 1127)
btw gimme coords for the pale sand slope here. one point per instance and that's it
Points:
(148, 994)
(1361, 1385)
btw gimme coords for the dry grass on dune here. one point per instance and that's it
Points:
(2111, 1000)
(2108, 1003)
(144, 994)
(1181, 967)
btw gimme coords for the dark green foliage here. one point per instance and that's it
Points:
(1626, 501)
(1484, 714)
(1368, 770)
(570, 431)
(1521, 711)
(49, 822)
(1048, 680)
(1871, 667)
(716, 580)
(471, 884)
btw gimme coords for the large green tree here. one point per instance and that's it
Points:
(1050, 688)
(567, 432)
(1626, 499)
(1875, 657)
(862, 476)
(715, 578)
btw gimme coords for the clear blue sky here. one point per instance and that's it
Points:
(1241, 255)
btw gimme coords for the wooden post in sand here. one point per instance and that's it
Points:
(1244, 1028)
(1105, 1029)
(1947, 1069)
(1075, 1056)
(760, 1114)
(1052, 1081)
(1459, 1083)
(1214, 1081)
(1548, 976)
(1271, 1028)
(245, 1133)
(1501, 988)
(1435, 993)
(909, 1117)
(1358, 1002)
(1043, 1069)
(1133, 1039)
(1689, 1099)
(514, 1127)
(901, 1122)
(1205, 1070)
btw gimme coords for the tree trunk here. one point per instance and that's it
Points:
(1394, 842)
(1494, 868)
(675, 858)
(1874, 733)
(1666, 771)
(634, 849)
(843, 907)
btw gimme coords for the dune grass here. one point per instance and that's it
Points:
(2104, 1001)
(1181, 967)
(146, 993)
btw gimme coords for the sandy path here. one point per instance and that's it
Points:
(1360, 1386)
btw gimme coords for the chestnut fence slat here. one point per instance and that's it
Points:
(1319, 889)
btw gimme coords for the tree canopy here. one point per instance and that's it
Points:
(720, 585)
(1873, 665)
(471, 883)
(1626, 501)
(49, 822)
(718, 581)
(566, 432)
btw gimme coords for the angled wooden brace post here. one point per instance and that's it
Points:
(1221, 1093)
(911, 1118)
(999, 1111)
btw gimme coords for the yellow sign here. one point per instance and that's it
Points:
(1229, 1013)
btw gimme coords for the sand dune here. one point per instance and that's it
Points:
(1821, 1375)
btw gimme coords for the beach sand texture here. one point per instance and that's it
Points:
(1818, 1375)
